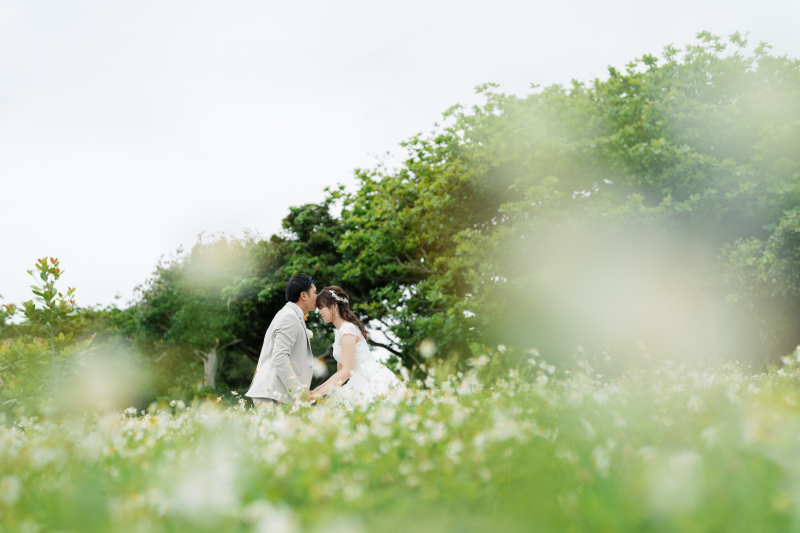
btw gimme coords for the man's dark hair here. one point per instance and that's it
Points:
(299, 283)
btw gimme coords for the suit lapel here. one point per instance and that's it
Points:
(298, 313)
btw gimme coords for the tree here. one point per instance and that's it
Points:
(34, 368)
(181, 307)
(589, 214)
(308, 245)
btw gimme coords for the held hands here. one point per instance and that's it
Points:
(308, 396)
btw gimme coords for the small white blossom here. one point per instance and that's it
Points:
(479, 361)
(427, 348)
(453, 449)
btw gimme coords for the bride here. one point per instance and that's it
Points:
(366, 378)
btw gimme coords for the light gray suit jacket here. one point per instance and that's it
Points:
(285, 365)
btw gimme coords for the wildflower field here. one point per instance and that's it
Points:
(538, 449)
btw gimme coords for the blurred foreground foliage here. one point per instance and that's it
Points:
(480, 445)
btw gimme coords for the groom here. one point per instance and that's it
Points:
(285, 366)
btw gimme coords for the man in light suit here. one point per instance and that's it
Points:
(285, 366)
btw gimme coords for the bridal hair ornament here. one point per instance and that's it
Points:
(337, 297)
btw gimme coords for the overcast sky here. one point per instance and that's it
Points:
(127, 128)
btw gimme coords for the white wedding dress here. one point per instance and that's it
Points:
(370, 379)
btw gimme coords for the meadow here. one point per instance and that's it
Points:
(490, 448)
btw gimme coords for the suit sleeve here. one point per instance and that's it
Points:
(285, 339)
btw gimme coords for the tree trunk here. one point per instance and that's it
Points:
(210, 364)
(211, 360)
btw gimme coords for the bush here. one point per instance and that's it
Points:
(34, 371)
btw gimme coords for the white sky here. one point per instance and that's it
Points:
(127, 128)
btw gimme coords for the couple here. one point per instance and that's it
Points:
(286, 364)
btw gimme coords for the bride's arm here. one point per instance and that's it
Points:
(329, 380)
(345, 368)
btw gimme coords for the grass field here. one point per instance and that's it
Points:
(538, 449)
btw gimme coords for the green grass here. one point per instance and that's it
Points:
(669, 450)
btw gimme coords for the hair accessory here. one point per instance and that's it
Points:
(337, 297)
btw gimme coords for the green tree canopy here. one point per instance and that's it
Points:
(588, 214)
(181, 307)
(649, 212)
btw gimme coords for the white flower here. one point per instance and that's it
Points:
(405, 469)
(409, 421)
(453, 449)
(438, 431)
(420, 438)
(567, 456)
(478, 361)
(234, 393)
(501, 348)
(310, 333)
(427, 348)
(267, 518)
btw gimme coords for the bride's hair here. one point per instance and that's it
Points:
(333, 295)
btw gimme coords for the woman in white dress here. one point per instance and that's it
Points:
(359, 378)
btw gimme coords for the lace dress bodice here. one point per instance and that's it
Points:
(370, 380)
(363, 353)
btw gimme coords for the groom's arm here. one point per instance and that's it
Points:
(285, 338)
